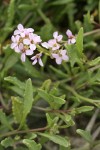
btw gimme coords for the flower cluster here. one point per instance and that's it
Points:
(25, 42)
(56, 49)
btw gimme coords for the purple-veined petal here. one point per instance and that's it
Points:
(40, 62)
(26, 41)
(13, 45)
(29, 52)
(45, 44)
(32, 46)
(34, 62)
(69, 33)
(20, 27)
(23, 57)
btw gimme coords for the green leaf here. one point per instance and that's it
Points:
(16, 82)
(28, 100)
(46, 85)
(61, 2)
(31, 69)
(17, 108)
(94, 62)
(51, 99)
(7, 142)
(84, 109)
(56, 139)
(79, 42)
(32, 145)
(27, 7)
(9, 63)
(85, 134)
(4, 120)
(11, 12)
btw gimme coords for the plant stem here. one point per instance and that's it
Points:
(91, 32)
(43, 50)
(92, 101)
(23, 131)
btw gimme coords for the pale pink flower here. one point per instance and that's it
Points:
(60, 56)
(23, 31)
(71, 37)
(24, 41)
(45, 44)
(37, 58)
(24, 51)
(15, 41)
(57, 37)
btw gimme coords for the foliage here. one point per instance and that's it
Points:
(54, 105)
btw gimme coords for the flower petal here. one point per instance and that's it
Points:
(59, 60)
(29, 52)
(17, 50)
(32, 46)
(13, 39)
(26, 41)
(73, 40)
(34, 57)
(45, 44)
(40, 62)
(16, 32)
(55, 34)
(69, 33)
(55, 55)
(23, 57)
(34, 62)
(59, 38)
(13, 45)
(21, 46)
(20, 27)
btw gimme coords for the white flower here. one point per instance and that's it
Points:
(60, 56)
(37, 58)
(71, 37)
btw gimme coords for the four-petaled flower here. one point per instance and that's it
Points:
(37, 58)
(57, 37)
(60, 56)
(71, 37)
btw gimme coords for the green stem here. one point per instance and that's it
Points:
(23, 131)
(92, 101)
(43, 50)
(91, 32)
